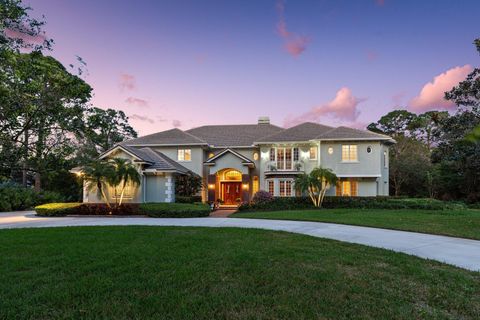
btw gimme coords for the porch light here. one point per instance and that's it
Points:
(245, 186)
(211, 186)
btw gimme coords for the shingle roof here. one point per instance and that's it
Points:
(233, 135)
(169, 137)
(156, 160)
(302, 132)
(345, 133)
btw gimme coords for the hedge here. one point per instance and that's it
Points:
(295, 203)
(15, 197)
(190, 199)
(57, 209)
(160, 210)
(175, 210)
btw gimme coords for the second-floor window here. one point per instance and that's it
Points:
(296, 155)
(313, 153)
(349, 153)
(184, 155)
(284, 158)
(272, 154)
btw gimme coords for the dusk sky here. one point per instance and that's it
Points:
(189, 63)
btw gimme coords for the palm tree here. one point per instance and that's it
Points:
(125, 172)
(99, 174)
(316, 184)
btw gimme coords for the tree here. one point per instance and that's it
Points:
(18, 30)
(316, 184)
(188, 185)
(395, 123)
(125, 173)
(408, 166)
(106, 128)
(41, 108)
(426, 127)
(98, 175)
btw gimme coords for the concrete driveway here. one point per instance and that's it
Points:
(463, 253)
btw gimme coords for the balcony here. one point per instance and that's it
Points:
(280, 168)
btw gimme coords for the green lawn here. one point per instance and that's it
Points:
(457, 223)
(206, 273)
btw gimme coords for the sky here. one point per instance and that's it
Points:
(186, 63)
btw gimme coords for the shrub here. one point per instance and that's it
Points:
(16, 197)
(262, 196)
(188, 199)
(174, 210)
(101, 209)
(57, 209)
(294, 203)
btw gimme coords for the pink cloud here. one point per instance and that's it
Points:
(342, 107)
(141, 118)
(26, 38)
(294, 44)
(432, 94)
(176, 123)
(398, 98)
(126, 82)
(136, 102)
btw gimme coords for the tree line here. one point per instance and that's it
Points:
(47, 122)
(437, 154)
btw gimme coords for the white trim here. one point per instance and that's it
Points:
(115, 148)
(218, 155)
(166, 144)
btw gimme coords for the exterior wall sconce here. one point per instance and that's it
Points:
(245, 186)
(211, 186)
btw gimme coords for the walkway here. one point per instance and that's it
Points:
(455, 251)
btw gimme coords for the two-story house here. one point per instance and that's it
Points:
(235, 161)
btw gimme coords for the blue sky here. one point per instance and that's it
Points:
(188, 63)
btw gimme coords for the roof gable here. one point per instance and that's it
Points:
(245, 160)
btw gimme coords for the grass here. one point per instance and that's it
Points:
(457, 223)
(204, 273)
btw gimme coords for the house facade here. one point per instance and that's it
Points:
(235, 161)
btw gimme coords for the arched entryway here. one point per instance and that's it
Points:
(229, 186)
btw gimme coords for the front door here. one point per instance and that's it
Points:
(231, 191)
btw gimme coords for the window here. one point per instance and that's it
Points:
(349, 153)
(255, 185)
(385, 159)
(313, 153)
(127, 193)
(330, 150)
(284, 158)
(271, 187)
(369, 149)
(296, 155)
(184, 155)
(272, 154)
(347, 188)
(210, 155)
(255, 156)
(285, 188)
